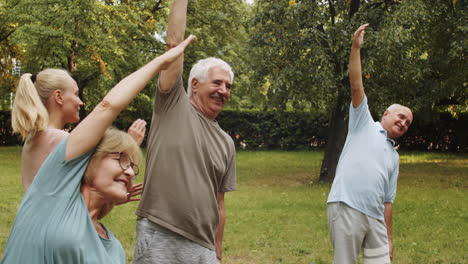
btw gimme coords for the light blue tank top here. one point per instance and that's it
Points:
(53, 224)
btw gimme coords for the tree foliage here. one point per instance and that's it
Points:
(9, 54)
(418, 56)
(221, 28)
(99, 42)
(287, 55)
(414, 54)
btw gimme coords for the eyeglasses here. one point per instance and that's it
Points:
(125, 162)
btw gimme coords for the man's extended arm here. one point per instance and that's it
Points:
(388, 222)
(220, 230)
(175, 35)
(355, 71)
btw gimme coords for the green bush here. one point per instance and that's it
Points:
(302, 130)
(274, 130)
(7, 138)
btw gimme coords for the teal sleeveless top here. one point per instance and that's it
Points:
(53, 225)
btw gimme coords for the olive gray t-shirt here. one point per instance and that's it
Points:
(189, 160)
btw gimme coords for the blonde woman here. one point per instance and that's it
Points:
(58, 219)
(43, 105)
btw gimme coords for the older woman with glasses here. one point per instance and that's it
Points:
(79, 183)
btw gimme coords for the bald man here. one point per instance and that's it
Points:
(362, 194)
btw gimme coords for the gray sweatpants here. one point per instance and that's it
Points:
(351, 230)
(157, 245)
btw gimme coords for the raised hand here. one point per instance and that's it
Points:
(137, 130)
(171, 55)
(358, 38)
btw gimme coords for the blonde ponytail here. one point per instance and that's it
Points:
(29, 114)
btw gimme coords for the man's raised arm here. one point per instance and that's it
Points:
(355, 71)
(175, 35)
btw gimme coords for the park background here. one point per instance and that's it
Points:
(288, 109)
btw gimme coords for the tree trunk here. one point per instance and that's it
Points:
(338, 129)
(81, 86)
(72, 66)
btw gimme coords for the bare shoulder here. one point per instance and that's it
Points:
(54, 136)
(50, 138)
(36, 151)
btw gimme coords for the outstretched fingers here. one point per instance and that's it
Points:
(174, 53)
(134, 191)
(187, 41)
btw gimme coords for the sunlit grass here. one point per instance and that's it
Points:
(278, 213)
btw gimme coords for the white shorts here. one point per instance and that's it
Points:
(351, 231)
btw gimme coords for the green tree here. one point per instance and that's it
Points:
(9, 54)
(221, 28)
(99, 42)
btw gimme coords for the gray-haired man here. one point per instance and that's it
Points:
(190, 162)
(362, 194)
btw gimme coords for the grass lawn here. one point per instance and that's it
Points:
(278, 213)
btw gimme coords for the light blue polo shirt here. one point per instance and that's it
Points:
(367, 171)
(53, 224)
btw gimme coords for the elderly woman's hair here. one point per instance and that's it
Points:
(200, 71)
(114, 140)
(29, 114)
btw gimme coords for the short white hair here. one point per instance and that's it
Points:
(200, 71)
(392, 108)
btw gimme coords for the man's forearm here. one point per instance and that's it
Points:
(388, 207)
(355, 71)
(177, 22)
(219, 238)
(175, 35)
(220, 229)
(355, 76)
(388, 218)
(355, 68)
